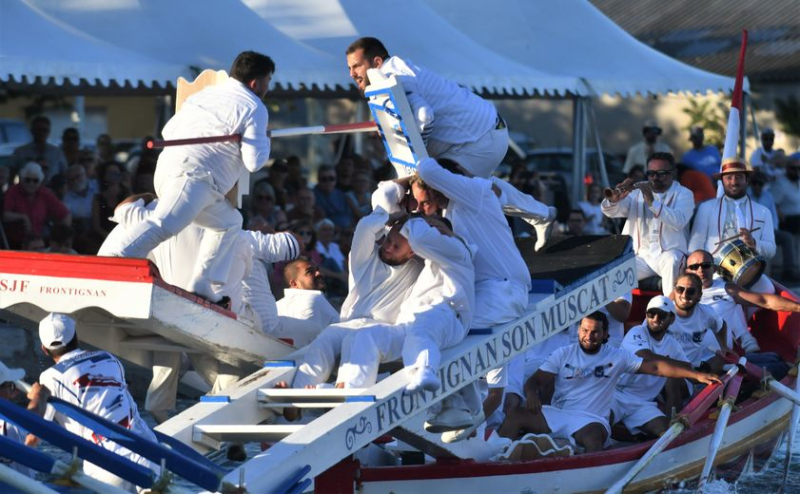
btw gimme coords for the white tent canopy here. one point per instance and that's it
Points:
(412, 30)
(34, 45)
(573, 38)
(198, 33)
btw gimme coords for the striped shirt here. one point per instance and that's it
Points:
(458, 115)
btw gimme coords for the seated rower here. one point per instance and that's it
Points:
(634, 404)
(570, 395)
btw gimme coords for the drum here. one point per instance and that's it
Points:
(737, 263)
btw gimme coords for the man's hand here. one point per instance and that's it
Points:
(38, 396)
(704, 378)
(533, 404)
(621, 191)
(31, 441)
(647, 193)
(512, 402)
(747, 238)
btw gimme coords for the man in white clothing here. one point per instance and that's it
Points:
(697, 327)
(9, 430)
(570, 395)
(634, 402)
(728, 300)
(454, 122)
(304, 312)
(192, 181)
(735, 216)
(434, 316)
(765, 156)
(94, 381)
(658, 214)
(382, 271)
(639, 153)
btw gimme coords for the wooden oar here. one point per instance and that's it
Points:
(770, 382)
(731, 392)
(790, 440)
(695, 410)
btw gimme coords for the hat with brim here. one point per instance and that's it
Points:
(734, 165)
(10, 375)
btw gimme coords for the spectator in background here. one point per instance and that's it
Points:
(698, 182)
(305, 231)
(61, 238)
(110, 195)
(765, 157)
(71, 145)
(89, 163)
(277, 179)
(783, 239)
(142, 180)
(29, 205)
(344, 174)
(104, 150)
(334, 262)
(39, 150)
(331, 199)
(305, 207)
(360, 195)
(295, 178)
(786, 190)
(592, 212)
(79, 198)
(263, 206)
(703, 158)
(637, 174)
(638, 153)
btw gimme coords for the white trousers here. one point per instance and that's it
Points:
(318, 359)
(190, 196)
(480, 157)
(163, 389)
(418, 342)
(667, 265)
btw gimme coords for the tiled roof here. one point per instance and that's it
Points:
(707, 33)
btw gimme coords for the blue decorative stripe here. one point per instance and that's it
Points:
(273, 364)
(360, 399)
(215, 399)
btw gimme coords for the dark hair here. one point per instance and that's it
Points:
(660, 155)
(578, 211)
(295, 226)
(61, 234)
(372, 48)
(250, 65)
(70, 130)
(635, 168)
(290, 271)
(38, 119)
(599, 317)
(58, 352)
(696, 281)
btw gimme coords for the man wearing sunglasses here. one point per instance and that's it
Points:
(658, 214)
(634, 402)
(735, 216)
(697, 327)
(728, 299)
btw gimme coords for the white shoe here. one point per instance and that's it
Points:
(545, 228)
(423, 378)
(449, 419)
(461, 434)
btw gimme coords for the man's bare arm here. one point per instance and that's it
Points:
(764, 300)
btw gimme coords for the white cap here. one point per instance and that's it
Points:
(661, 303)
(56, 330)
(7, 374)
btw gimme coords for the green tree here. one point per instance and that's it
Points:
(712, 117)
(787, 112)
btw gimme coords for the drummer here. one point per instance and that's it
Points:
(735, 216)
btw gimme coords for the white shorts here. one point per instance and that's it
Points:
(565, 423)
(633, 411)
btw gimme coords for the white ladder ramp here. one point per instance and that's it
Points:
(352, 425)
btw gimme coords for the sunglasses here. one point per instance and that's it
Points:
(689, 290)
(656, 314)
(31, 180)
(695, 267)
(658, 174)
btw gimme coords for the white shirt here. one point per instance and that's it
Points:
(586, 382)
(594, 218)
(95, 381)
(455, 114)
(16, 434)
(477, 217)
(224, 109)
(646, 386)
(448, 276)
(787, 195)
(725, 307)
(616, 329)
(303, 314)
(256, 290)
(332, 252)
(377, 290)
(697, 332)
(639, 152)
(722, 217)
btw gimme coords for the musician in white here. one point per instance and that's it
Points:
(735, 216)
(658, 214)
(454, 122)
(192, 180)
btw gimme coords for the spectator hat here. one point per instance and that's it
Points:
(651, 124)
(661, 303)
(7, 374)
(56, 330)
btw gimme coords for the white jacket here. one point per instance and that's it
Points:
(709, 224)
(674, 214)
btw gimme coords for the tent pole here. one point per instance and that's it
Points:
(578, 149)
(361, 115)
(601, 160)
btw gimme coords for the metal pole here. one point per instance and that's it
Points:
(601, 160)
(578, 149)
